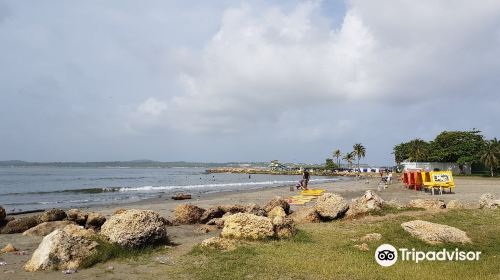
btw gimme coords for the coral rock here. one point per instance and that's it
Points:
(136, 228)
(247, 226)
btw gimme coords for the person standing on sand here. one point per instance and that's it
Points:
(305, 179)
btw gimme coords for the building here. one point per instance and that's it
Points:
(441, 166)
(275, 165)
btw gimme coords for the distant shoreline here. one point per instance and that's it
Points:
(314, 172)
(130, 164)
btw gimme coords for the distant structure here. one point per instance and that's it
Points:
(275, 165)
(441, 166)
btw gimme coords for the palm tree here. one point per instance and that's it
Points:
(359, 152)
(337, 154)
(491, 155)
(349, 157)
(418, 150)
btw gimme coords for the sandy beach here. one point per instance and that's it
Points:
(184, 237)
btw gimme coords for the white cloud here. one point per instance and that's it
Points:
(286, 81)
(152, 107)
(264, 63)
(149, 114)
(261, 64)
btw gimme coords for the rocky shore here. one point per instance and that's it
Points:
(70, 240)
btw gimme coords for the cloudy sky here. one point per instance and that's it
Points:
(242, 80)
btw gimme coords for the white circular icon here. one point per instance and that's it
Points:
(386, 255)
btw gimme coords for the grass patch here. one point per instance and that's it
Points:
(325, 251)
(107, 251)
(302, 237)
(393, 210)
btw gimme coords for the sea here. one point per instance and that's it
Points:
(34, 188)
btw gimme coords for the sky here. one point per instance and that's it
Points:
(218, 81)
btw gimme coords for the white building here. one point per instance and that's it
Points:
(442, 166)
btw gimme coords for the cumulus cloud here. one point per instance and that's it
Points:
(253, 80)
(261, 64)
(264, 63)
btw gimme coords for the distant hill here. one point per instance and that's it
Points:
(143, 163)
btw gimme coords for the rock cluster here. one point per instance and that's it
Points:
(21, 224)
(454, 204)
(427, 203)
(331, 206)
(52, 215)
(212, 213)
(9, 248)
(277, 201)
(305, 215)
(192, 214)
(77, 216)
(276, 212)
(219, 243)
(188, 214)
(255, 209)
(136, 228)
(247, 226)
(364, 204)
(90, 220)
(46, 228)
(488, 201)
(433, 233)
(62, 249)
(233, 208)
(94, 220)
(283, 227)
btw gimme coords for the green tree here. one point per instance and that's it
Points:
(462, 147)
(337, 154)
(359, 151)
(418, 150)
(349, 157)
(491, 155)
(401, 152)
(329, 164)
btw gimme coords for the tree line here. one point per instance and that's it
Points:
(358, 152)
(460, 147)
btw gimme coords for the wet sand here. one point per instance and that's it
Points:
(467, 190)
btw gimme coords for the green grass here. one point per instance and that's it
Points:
(392, 210)
(109, 251)
(325, 251)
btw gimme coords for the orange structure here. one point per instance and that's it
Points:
(413, 179)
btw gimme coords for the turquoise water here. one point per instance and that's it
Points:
(29, 188)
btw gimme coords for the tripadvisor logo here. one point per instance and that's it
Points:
(387, 255)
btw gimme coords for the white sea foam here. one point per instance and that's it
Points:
(220, 185)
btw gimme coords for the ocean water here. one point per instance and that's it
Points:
(29, 188)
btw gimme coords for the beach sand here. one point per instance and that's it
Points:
(185, 236)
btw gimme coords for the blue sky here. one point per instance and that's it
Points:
(242, 80)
